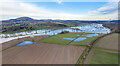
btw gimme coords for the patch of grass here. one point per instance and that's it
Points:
(58, 39)
(103, 57)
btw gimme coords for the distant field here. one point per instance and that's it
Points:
(108, 42)
(102, 57)
(39, 28)
(58, 39)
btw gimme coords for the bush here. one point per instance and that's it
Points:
(63, 32)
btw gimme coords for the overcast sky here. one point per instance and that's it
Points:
(59, 9)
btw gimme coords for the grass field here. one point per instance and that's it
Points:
(103, 57)
(58, 39)
(108, 42)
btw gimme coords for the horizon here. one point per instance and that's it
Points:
(60, 10)
(56, 19)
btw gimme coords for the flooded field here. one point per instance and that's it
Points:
(91, 28)
(81, 38)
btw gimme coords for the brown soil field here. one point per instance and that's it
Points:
(42, 54)
(16, 41)
(108, 42)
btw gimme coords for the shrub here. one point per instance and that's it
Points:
(63, 32)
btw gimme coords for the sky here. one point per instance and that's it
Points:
(59, 9)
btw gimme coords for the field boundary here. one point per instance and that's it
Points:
(75, 39)
(113, 50)
(83, 56)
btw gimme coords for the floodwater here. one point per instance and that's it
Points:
(76, 40)
(91, 35)
(26, 43)
(91, 28)
(81, 38)
(69, 38)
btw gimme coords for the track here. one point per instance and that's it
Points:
(85, 53)
(74, 39)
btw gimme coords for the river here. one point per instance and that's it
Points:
(91, 28)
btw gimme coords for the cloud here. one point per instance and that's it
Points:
(59, 1)
(13, 9)
(113, 16)
(108, 8)
(95, 12)
(16, 9)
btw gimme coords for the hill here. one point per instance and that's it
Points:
(27, 23)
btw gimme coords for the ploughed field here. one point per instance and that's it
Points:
(105, 51)
(63, 49)
(50, 50)
(42, 54)
(109, 42)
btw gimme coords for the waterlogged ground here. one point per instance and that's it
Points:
(91, 28)
(58, 39)
(81, 38)
(26, 43)
(75, 40)
(70, 38)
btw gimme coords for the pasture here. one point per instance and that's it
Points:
(102, 57)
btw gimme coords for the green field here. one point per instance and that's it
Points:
(103, 57)
(58, 39)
